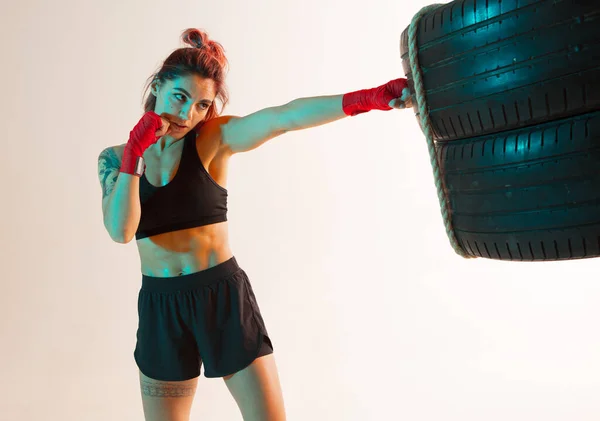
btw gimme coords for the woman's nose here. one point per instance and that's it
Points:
(186, 114)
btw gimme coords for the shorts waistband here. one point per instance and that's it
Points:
(190, 281)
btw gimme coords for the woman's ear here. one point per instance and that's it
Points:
(155, 87)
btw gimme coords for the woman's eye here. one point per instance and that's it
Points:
(182, 98)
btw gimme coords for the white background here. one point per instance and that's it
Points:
(372, 314)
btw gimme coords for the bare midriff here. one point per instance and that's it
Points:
(189, 250)
(185, 251)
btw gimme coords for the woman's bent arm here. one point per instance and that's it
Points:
(120, 198)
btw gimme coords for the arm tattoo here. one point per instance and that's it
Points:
(108, 170)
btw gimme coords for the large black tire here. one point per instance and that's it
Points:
(495, 65)
(527, 194)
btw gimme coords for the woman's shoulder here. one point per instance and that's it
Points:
(114, 150)
(211, 131)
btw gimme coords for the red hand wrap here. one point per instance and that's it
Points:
(358, 102)
(140, 138)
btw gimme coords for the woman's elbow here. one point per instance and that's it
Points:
(118, 237)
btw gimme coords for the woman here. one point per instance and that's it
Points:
(166, 187)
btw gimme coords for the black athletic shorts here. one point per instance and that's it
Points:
(210, 316)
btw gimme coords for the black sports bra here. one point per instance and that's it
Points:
(191, 199)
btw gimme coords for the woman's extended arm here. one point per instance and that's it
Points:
(243, 134)
(304, 113)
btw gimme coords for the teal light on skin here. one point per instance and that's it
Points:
(183, 100)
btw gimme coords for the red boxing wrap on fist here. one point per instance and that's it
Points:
(358, 102)
(140, 138)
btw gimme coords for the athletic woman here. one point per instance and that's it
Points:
(167, 188)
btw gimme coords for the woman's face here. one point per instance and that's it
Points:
(183, 101)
